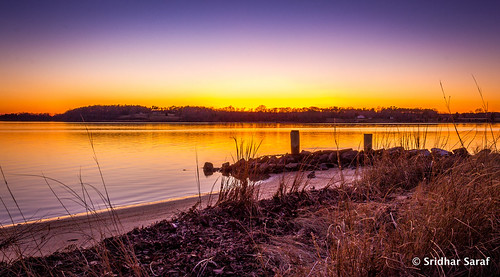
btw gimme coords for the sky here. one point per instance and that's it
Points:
(59, 55)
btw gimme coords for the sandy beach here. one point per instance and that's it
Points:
(46, 237)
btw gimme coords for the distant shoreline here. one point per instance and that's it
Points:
(256, 122)
(136, 113)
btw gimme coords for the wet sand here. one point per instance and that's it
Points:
(43, 238)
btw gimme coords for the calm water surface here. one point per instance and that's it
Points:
(146, 162)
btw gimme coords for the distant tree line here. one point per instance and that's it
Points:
(26, 117)
(101, 113)
(259, 114)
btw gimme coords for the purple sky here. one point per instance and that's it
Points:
(56, 55)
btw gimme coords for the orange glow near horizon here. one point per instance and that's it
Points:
(298, 56)
(242, 95)
(292, 78)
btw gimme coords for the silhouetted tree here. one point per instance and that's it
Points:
(259, 114)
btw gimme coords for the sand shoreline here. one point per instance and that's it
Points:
(102, 211)
(85, 230)
(48, 236)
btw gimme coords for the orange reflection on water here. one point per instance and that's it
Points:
(146, 162)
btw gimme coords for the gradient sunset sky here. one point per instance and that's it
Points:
(58, 55)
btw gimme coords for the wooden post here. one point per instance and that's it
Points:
(368, 142)
(295, 141)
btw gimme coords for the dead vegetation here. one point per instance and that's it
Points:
(453, 213)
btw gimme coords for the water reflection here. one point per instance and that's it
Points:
(144, 162)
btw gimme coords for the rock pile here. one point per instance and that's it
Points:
(260, 168)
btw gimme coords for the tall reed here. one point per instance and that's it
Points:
(240, 191)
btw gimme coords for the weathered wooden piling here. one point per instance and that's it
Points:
(367, 142)
(295, 142)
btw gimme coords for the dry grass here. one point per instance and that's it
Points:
(393, 172)
(411, 210)
(240, 192)
(456, 215)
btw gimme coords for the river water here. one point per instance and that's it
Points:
(46, 164)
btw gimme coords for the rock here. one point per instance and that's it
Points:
(208, 166)
(323, 166)
(395, 150)
(419, 152)
(461, 152)
(252, 165)
(349, 156)
(424, 152)
(264, 159)
(323, 158)
(440, 152)
(486, 155)
(278, 168)
(378, 152)
(225, 168)
(484, 152)
(273, 160)
(313, 161)
(290, 159)
(264, 168)
(333, 157)
(240, 163)
(342, 151)
(311, 175)
(305, 153)
(281, 160)
(292, 166)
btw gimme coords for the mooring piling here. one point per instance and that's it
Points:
(367, 138)
(295, 142)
